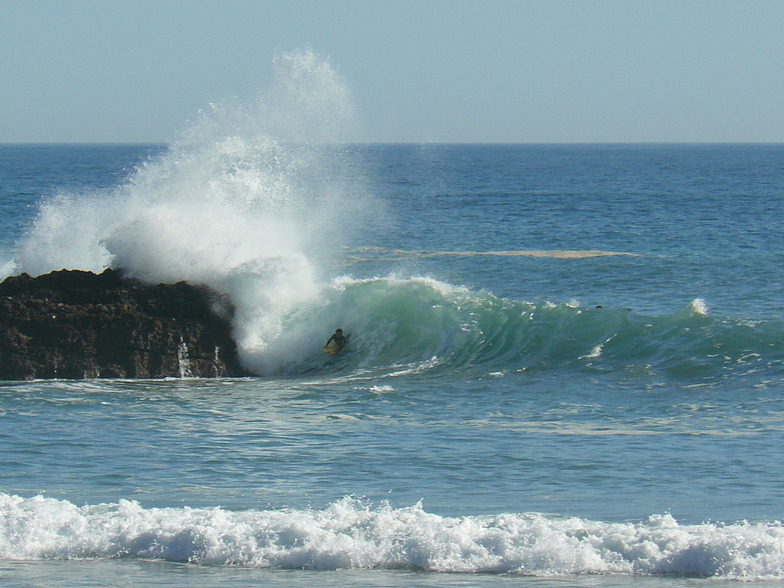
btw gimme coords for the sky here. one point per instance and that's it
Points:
(420, 71)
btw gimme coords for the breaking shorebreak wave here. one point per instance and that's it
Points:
(353, 534)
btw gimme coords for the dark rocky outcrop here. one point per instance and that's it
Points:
(76, 324)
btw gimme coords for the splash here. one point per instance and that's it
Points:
(245, 201)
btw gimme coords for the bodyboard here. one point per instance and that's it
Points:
(332, 348)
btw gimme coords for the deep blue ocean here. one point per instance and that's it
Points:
(565, 367)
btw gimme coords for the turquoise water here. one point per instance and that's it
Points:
(565, 368)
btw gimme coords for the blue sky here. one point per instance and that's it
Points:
(419, 70)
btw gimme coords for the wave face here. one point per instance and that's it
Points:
(428, 326)
(352, 534)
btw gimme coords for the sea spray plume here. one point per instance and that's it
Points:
(68, 233)
(308, 101)
(246, 200)
(241, 180)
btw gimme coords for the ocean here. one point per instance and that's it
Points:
(565, 366)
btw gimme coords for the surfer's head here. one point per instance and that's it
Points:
(339, 331)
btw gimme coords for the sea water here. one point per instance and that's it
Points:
(565, 364)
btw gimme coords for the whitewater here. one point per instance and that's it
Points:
(565, 364)
(348, 534)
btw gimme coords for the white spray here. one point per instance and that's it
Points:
(248, 200)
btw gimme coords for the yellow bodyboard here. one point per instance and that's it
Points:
(332, 348)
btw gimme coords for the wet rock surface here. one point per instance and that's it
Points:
(74, 324)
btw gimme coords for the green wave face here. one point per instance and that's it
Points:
(419, 324)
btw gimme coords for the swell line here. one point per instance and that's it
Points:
(553, 253)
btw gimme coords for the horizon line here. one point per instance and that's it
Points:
(402, 143)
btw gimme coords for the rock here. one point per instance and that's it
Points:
(74, 324)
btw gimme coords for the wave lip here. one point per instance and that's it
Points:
(352, 534)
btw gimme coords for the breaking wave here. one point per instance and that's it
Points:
(431, 326)
(353, 534)
(256, 198)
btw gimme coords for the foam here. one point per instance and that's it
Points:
(353, 534)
